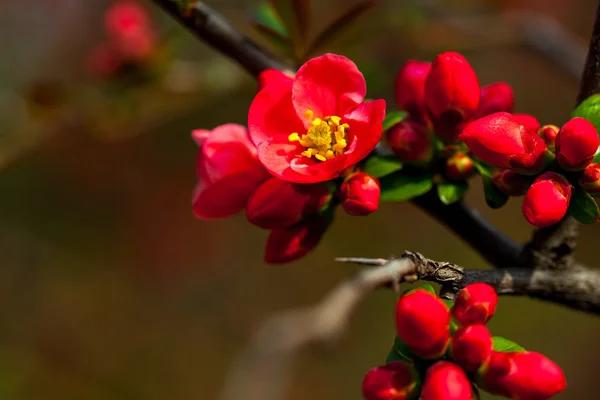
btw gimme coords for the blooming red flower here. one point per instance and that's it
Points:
(471, 346)
(548, 133)
(501, 140)
(285, 245)
(495, 97)
(278, 204)
(459, 166)
(359, 194)
(129, 27)
(410, 142)
(396, 380)
(547, 200)
(451, 94)
(423, 323)
(510, 182)
(409, 88)
(228, 171)
(475, 304)
(313, 127)
(271, 75)
(590, 179)
(446, 381)
(576, 143)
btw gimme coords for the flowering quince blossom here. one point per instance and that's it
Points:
(314, 126)
(436, 358)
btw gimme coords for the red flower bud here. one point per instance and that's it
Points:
(423, 323)
(510, 182)
(272, 75)
(451, 94)
(396, 380)
(278, 204)
(459, 166)
(475, 304)
(129, 26)
(446, 381)
(285, 245)
(590, 179)
(501, 140)
(522, 376)
(576, 144)
(410, 87)
(471, 346)
(410, 142)
(495, 97)
(547, 200)
(548, 133)
(228, 171)
(528, 121)
(359, 194)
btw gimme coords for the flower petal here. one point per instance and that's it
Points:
(224, 135)
(272, 113)
(278, 154)
(328, 85)
(365, 122)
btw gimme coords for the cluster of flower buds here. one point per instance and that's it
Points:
(296, 161)
(446, 352)
(441, 98)
(131, 39)
(542, 163)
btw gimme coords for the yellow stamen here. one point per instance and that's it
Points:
(325, 139)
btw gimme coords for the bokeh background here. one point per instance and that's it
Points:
(111, 289)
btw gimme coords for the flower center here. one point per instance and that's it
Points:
(325, 139)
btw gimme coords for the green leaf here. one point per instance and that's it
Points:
(426, 287)
(402, 185)
(392, 118)
(493, 197)
(483, 168)
(590, 110)
(583, 207)
(399, 352)
(269, 24)
(597, 156)
(380, 166)
(450, 192)
(337, 26)
(504, 345)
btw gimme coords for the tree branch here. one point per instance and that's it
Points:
(215, 30)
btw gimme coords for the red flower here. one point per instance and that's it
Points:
(528, 121)
(576, 144)
(409, 88)
(547, 200)
(410, 142)
(495, 97)
(510, 182)
(285, 245)
(278, 204)
(272, 75)
(451, 94)
(501, 140)
(475, 304)
(359, 194)
(590, 179)
(311, 128)
(396, 380)
(459, 166)
(446, 381)
(128, 25)
(548, 133)
(471, 346)
(228, 171)
(423, 323)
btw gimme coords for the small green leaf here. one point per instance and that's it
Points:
(402, 185)
(590, 110)
(392, 118)
(266, 17)
(583, 207)
(504, 345)
(399, 352)
(426, 287)
(337, 26)
(483, 168)
(493, 197)
(380, 166)
(450, 192)
(597, 156)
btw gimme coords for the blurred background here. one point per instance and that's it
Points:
(111, 289)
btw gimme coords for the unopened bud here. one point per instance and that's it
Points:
(410, 142)
(475, 304)
(396, 380)
(576, 143)
(548, 133)
(510, 182)
(459, 166)
(590, 179)
(471, 346)
(359, 194)
(547, 200)
(445, 380)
